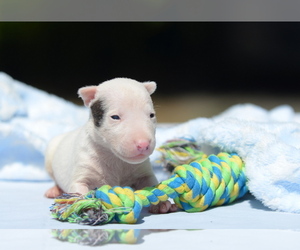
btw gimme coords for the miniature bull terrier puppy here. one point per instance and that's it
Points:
(113, 147)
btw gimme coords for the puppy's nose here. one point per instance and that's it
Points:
(143, 145)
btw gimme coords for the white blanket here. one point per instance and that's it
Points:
(29, 118)
(268, 141)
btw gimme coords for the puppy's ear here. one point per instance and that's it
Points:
(87, 94)
(150, 86)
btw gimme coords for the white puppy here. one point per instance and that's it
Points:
(113, 147)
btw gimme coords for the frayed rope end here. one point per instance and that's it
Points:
(85, 210)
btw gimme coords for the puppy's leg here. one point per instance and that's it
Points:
(79, 188)
(53, 192)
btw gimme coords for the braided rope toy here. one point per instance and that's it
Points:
(205, 182)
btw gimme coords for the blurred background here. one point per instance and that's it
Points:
(201, 68)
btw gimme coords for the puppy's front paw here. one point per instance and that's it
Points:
(53, 192)
(163, 207)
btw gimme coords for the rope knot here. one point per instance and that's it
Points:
(118, 197)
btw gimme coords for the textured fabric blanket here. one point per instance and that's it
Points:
(268, 141)
(29, 118)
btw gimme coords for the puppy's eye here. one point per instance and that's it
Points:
(115, 117)
(152, 115)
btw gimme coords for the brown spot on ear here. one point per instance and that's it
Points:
(98, 111)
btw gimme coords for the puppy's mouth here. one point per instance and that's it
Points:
(136, 159)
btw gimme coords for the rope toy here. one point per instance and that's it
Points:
(209, 181)
(179, 151)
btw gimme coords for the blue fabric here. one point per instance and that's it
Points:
(289, 186)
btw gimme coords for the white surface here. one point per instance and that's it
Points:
(24, 207)
(177, 239)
